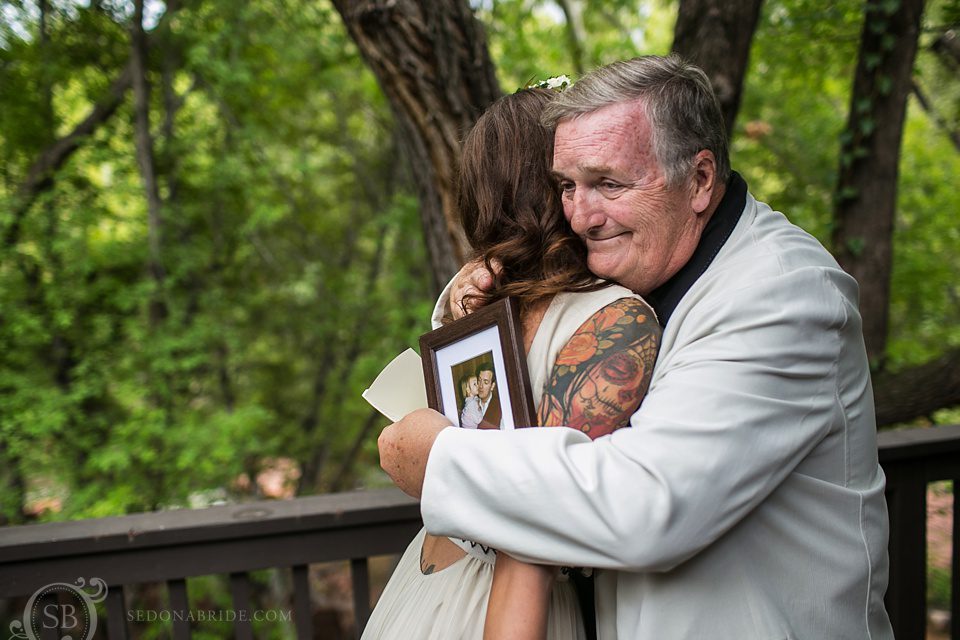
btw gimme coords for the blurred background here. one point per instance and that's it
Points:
(219, 220)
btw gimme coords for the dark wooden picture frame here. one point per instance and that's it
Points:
(494, 328)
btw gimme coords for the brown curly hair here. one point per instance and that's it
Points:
(510, 206)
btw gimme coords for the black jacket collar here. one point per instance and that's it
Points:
(665, 298)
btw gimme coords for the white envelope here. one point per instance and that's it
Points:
(399, 389)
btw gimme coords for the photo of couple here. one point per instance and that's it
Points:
(478, 400)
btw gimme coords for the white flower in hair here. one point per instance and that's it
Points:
(556, 83)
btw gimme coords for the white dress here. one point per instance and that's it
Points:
(451, 604)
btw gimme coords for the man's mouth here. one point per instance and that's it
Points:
(604, 238)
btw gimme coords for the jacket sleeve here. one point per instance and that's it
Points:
(742, 392)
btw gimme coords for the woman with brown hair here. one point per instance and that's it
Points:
(590, 346)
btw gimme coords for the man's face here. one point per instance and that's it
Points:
(638, 231)
(486, 384)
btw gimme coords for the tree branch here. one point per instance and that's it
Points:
(40, 175)
(947, 46)
(938, 120)
(717, 36)
(918, 391)
(576, 33)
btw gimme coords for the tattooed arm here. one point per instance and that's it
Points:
(603, 371)
(598, 380)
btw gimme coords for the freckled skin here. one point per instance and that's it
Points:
(638, 231)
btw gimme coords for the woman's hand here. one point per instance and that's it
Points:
(473, 280)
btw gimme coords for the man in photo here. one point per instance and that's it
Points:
(489, 398)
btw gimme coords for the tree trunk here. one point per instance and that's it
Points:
(46, 88)
(171, 105)
(869, 157)
(145, 158)
(431, 61)
(576, 33)
(716, 36)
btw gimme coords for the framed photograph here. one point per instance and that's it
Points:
(476, 370)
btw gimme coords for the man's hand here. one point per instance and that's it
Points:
(405, 446)
(473, 279)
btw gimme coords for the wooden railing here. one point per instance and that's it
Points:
(235, 540)
(912, 459)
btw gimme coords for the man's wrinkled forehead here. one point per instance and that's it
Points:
(597, 143)
(626, 114)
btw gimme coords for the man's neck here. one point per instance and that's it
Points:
(725, 210)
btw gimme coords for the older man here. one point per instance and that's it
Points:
(746, 501)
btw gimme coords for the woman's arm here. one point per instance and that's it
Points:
(602, 373)
(519, 597)
(599, 378)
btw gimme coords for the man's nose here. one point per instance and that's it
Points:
(582, 211)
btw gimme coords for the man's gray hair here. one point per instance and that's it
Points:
(677, 99)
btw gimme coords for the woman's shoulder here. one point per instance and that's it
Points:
(571, 306)
(571, 310)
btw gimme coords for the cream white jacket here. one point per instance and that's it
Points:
(746, 501)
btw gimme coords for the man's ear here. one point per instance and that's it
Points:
(704, 181)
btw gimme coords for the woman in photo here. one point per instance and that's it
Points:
(590, 347)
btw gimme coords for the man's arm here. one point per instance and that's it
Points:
(745, 397)
(405, 445)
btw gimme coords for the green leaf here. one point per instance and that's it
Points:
(855, 246)
(890, 7)
(848, 193)
(884, 85)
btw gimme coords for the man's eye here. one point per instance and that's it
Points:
(566, 186)
(609, 185)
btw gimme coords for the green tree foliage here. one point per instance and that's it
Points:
(291, 250)
(787, 143)
(293, 259)
(530, 40)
